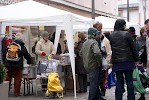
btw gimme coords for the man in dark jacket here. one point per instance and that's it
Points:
(91, 55)
(14, 68)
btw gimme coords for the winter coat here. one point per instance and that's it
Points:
(24, 54)
(123, 47)
(105, 44)
(91, 54)
(78, 60)
(43, 46)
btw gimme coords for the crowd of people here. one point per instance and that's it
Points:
(121, 50)
(96, 53)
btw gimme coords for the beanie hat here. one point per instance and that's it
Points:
(93, 31)
(44, 33)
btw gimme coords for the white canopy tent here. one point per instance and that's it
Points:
(31, 13)
(108, 24)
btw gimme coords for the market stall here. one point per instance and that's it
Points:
(31, 13)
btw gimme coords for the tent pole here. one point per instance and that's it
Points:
(70, 43)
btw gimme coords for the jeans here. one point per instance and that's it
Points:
(94, 77)
(120, 84)
(83, 82)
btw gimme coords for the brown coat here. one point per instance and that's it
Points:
(78, 60)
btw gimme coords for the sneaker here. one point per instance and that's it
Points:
(142, 98)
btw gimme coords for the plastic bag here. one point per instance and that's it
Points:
(110, 79)
(137, 82)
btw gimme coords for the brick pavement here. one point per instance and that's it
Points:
(69, 96)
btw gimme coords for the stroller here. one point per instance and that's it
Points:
(50, 68)
(140, 77)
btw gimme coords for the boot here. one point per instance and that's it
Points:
(142, 97)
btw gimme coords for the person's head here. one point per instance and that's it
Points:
(132, 31)
(81, 35)
(120, 25)
(98, 26)
(143, 32)
(45, 35)
(93, 32)
(146, 23)
(19, 36)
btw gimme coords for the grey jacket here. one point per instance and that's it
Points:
(91, 54)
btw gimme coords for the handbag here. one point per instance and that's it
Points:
(105, 64)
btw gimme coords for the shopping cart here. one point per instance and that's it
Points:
(49, 69)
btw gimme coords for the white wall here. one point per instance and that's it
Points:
(108, 6)
(133, 12)
(134, 16)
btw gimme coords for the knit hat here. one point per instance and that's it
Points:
(93, 31)
(44, 33)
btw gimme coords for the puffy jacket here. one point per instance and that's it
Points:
(24, 54)
(91, 54)
(123, 47)
(46, 47)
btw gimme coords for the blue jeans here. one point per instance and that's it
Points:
(94, 77)
(120, 84)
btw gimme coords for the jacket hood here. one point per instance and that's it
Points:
(19, 42)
